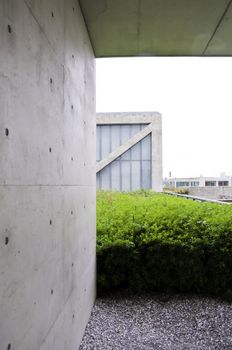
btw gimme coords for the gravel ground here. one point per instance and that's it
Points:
(159, 323)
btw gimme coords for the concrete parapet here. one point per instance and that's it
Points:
(211, 192)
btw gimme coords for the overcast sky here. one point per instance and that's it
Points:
(194, 96)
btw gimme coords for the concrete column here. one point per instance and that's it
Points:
(157, 169)
(47, 175)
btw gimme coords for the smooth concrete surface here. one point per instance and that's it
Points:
(114, 118)
(157, 155)
(211, 192)
(47, 175)
(159, 27)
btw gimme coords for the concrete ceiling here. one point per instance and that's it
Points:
(159, 27)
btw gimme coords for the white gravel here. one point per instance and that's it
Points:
(159, 322)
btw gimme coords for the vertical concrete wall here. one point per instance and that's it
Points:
(157, 154)
(47, 175)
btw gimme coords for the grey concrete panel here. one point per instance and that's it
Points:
(42, 264)
(105, 141)
(211, 192)
(115, 174)
(135, 128)
(105, 178)
(146, 174)
(136, 175)
(115, 136)
(159, 28)
(47, 177)
(126, 155)
(135, 150)
(125, 133)
(125, 174)
(146, 148)
(125, 136)
(157, 165)
(130, 118)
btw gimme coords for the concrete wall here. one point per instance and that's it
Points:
(47, 175)
(211, 192)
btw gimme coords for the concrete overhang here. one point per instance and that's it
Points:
(159, 27)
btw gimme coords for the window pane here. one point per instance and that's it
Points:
(210, 183)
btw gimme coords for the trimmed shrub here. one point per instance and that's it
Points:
(153, 242)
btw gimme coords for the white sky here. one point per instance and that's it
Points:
(194, 96)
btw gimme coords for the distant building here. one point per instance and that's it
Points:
(206, 187)
(222, 181)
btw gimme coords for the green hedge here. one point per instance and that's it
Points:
(154, 242)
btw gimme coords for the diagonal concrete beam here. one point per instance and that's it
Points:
(123, 148)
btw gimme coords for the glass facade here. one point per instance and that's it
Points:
(210, 183)
(182, 184)
(223, 183)
(132, 170)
